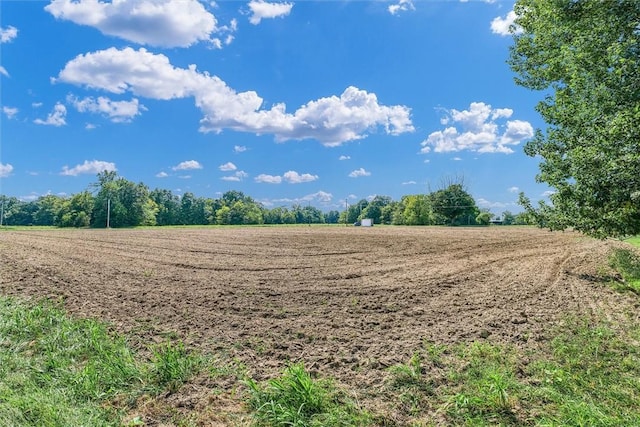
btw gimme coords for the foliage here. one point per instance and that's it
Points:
(484, 218)
(295, 399)
(454, 204)
(129, 204)
(587, 56)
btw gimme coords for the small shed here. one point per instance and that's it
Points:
(366, 222)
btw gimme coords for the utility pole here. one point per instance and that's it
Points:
(1, 212)
(108, 211)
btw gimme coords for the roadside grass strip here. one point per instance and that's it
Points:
(59, 371)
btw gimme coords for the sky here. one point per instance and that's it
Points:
(300, 102)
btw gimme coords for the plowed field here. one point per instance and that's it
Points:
(347, 301)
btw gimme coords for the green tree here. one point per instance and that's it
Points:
(76, 210)
(484, 218)
(417, 210)
(126, 203)
(585, 55)
(168, 206)
(454, 204)
(48, 211)
(508, 218)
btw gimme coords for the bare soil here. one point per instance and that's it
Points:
(349, 302)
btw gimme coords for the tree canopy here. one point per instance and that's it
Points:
(585, 55)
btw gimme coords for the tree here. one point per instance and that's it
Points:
(126, 203)
(586, 55)
(508, 218)
(454, 204)
(484, 218)
(76, 211)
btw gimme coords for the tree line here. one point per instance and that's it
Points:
(118, 202)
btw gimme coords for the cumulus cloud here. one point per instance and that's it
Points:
(187, 165)
(92, 167)
(268, 179)
(332, 120)
(239, 148)
(478, 129)
(505, 26)
(293, 177)
(10, 112)
(5, 170)
(344, 157)
(319, 196)
(359, 172)
(227, 167)
(8, 34)
(409, 183)
(116, 111)
(237, 176)
(165, 23)
(513, 189)
(264, 10)
(56, 118)
(401, 6)
(484, 203)
(162, 174)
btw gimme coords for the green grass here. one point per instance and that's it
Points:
(296, 399)
(634, 241)
(627, 263)
(59, 371)
(588, 375)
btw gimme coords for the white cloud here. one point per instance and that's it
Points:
(293, 177)
(320, 196)
(548, 193)
(332, 120)
(484, 203)
(165, 23)
(238, 176)
(503, 26)
(227, 167)
(5, 170)
(262, 10)
(239, 148)
(93, 167)
(162, 174)
(513, 189)
(8, 34)
(4, 71)
(358, 173)
(36, 104)
(116, 111)
(409, 183)
(10, 112)
(269, 179)
(401, 6)
(344, 157)
(478, 129)
(56, 118)
(90, 126)
(187, 165)
(457, 159)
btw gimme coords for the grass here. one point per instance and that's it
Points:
(588, 375)
(296, 399)
(59, 371)
(627, 263)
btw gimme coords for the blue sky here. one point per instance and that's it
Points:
(290, 102)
